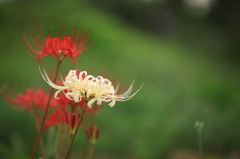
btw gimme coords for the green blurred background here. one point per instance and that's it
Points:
(185, 52)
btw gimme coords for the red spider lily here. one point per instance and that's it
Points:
(63, 116)
(32, 100)
(92, 134)
(67, 46)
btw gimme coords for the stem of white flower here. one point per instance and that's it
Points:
(76, 130)
(86, 140)
(200, 144)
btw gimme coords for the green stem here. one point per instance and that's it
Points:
(57, 143)
(71, 136)
(84, 148)
(45, 114)
(86, 140)
(64, 135)
(37, 117)
(41, 142)
(42, 148)
(90, 151)
(200, 144)
(76, 130)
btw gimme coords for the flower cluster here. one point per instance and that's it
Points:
(78, 96)
(33, 100)
(68, 46)
(92, 89)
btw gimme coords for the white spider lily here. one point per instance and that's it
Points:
(93, 89)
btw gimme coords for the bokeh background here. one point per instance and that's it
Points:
(185, 52)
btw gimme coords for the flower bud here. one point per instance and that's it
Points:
(199, 125)
(92, 134)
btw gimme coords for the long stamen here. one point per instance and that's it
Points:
(95, 89)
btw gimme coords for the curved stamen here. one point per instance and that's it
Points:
(94, 89)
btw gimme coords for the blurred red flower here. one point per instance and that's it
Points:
(68, 113)
(92, 134)
(32, 99)
(63, 110)
(63, 116)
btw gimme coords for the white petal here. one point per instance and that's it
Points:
(128, 91)
(91, 102)
(56, 94)
(129, 97)
(112, 103)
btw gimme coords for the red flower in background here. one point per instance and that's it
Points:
(92, 134)
(67, 46)
(68, 113)
(65, 117)
(33, 99)
(65, 111)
